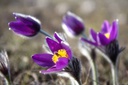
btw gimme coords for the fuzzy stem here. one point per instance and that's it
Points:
(114, 75)
(9, 76)
(9, 72)
(93, 65)
(94, 72)
(83, 35)
(116, 69)
(79, 82)
(113, 68)
(74, 82)
(72, 79)
(85, 51)
(45, 33)
(4, 79)
(94, 69)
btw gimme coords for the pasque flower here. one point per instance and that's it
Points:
(106, 40)
(107, 34)
(72, 24)
(25, 25)
(57, 59)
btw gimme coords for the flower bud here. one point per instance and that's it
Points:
(72, 24)
(25, 25)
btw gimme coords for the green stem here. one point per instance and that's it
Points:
(45, 33)
(83, 35)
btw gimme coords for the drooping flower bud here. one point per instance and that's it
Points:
(25, 25)
(72, 24)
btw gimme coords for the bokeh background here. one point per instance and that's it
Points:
(50, 12)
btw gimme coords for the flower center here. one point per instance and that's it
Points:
(107, 35)
(60, 54)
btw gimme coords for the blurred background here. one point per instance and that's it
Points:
(50, 12)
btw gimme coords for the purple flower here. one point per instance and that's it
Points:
(108, 34)
(57, 59)
(25, 25)
(72, 24)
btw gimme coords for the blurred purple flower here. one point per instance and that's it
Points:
(106, 36)
(72, 24)
(59, 57)
(25, 25)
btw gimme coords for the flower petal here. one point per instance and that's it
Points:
(44, 60)
(50, 70)
(105, 27)
(67, 48)
(58, 38)
(27, 19)
(53, 45)
(62, 63)
(90, 42)
(73, 24)
(94, 35)
(114, 31)
(103, 39)
(20, 28)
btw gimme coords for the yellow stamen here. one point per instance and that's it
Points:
(60, 54)
(107, 35)
(55, 58)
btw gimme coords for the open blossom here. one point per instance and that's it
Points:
(57, 59)
(25, 25)
(72, 24)
(107, 34)
(106, 40)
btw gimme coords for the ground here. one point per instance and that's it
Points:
(25, 72)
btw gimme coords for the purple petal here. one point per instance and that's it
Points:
(94, 35)
(20, 28)
(68, 49)
(103, 39)
(105, 27)
(28, 20)
(90, 42)
(114, 31)
(58, 38)
(62, 63)
(44, 60)
(73, 23)
(50, 70)
(53, 45)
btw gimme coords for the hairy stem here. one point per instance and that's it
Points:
(86, 51)
(114, 75)
(114, 69)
